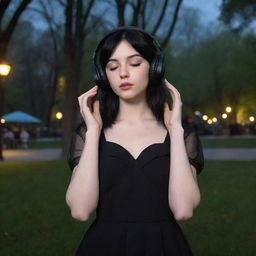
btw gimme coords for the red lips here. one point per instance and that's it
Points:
(125, 85)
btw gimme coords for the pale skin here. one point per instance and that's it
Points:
(136, 120)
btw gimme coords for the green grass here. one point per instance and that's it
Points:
(44, 144)
(206, 142)
(228, 143)
(36, 221)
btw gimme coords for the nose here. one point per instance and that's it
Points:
(124, 72)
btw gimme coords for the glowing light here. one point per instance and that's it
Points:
(214, 119)
(5, 69)
(209, 121)
(59, 115)
(224, 116)
(205, 117)
(228, 109)
(2, 121)
(251, 118)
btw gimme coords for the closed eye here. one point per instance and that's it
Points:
(136, 65)
(133, 65)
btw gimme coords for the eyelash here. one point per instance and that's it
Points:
(134, 65)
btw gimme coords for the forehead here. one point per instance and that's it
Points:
(123, 49)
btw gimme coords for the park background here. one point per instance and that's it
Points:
(210, 49)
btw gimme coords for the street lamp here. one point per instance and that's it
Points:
(59, 115)
(228, 109)
(4, 69)
(251, 118)
(4, 72)
(205, 117)
(224, 115)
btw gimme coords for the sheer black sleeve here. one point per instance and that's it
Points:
(194, 148)
(76, 145)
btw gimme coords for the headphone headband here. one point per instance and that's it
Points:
(119, 29)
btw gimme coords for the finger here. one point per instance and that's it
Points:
(85, 95)
(93, 89)
(96, 105)
(174, 92)
(170, 86)
(167, 108)
(84, 100)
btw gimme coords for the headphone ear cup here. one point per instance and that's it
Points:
(157, 70)
(99, 75)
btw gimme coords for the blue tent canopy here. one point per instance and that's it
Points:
(20, 117)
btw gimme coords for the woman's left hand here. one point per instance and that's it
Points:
(173, 117)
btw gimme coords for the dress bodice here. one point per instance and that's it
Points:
(134, 189)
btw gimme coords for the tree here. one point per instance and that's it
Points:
(76, 17)
(47, 11)
(238, 14)
(221, 70)
(5, 37)
(142, 12)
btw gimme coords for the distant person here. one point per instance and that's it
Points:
(16, 133)
(24, 137)
(8, 138)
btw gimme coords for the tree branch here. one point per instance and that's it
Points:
(172, 26)
(3, 6)
(143, 14)
(160, 18)
(136, 13)
(120, 11)
(88, 9)
(15, 18)
(68, 26)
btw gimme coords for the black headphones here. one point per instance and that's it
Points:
(157, 66)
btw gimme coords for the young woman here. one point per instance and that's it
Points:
(132, 159)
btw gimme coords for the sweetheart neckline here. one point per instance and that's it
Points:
(135, 159)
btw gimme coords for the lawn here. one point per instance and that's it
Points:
(44, 144)
(36, 221)
(206, 142)
(228, 142)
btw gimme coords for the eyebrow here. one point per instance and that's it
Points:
(129, 57)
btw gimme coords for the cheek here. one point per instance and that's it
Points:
(110, 77)
(144, 74)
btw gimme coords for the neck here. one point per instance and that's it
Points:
(134, 111)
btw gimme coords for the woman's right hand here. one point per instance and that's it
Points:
(93, 119)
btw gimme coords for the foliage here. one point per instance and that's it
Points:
(221, 70)
(238, 14)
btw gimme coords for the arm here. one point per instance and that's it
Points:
(184, 193)
(183, 190)
(83, 191)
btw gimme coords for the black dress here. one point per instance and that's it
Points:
(133, 217)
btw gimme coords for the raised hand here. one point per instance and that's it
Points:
(93, 118)
(173, 117)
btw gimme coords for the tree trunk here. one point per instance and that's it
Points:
(71, 105)
(3, 51)
(74, 38)
(2, 90)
